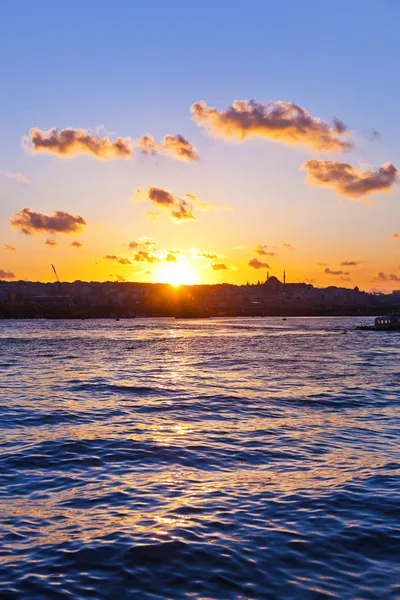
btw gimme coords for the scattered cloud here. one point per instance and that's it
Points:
(6, 274)
(329, 271)
(18, 177)
(10, 248)
(147, 144)
(121, 260)
(321, 264)
(120, 278)
(258, 264)
(396, 236)
(153, 214)
(51, 243)
(145, 256)
(351, 263)
(205, 205)
(348, 181)
(288, 246)
(30, 222)
(179, 147)
(375, 135)
(77, 245)
(71, 142)
(262, 250)
(219, 267)
(143, 241)
(201, 254)
(387, 277)
(175, 146)
(179, 209)
(279, 121)
(345, 279)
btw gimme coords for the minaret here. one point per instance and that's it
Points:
(267, 275)
(284, 278)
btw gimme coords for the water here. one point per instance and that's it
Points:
(219, 458)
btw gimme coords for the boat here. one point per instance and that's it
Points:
(388, 323)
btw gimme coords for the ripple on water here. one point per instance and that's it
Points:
(222, 458)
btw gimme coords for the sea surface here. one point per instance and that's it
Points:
(214, 458)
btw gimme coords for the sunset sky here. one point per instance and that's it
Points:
(199, 142)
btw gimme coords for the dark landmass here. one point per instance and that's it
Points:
(27, 300)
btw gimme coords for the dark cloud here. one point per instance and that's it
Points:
(262, 250)
(175, 146)
(121, 260)
(10, 248)
(179, 209)
(219, 267)
(351, 263)
(77, 245)
(279, 121)
(387, 277)
(328, 271)
(6, 274)
(30, 222)
(348, 181)
(258, 264)
(71, 142)
(51, 243)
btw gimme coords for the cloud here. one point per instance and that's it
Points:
(288, 246)
(147, 144)
(6, 274)
(18, 177)
(179, 209)
(321, 264)
(201, 254)
(205, 205)
(279, 121)
(387, 277)
(345, 279)
(120, 278)
(153, 214)
(51, 243)
(71, 142)
(175, 146)
(351, 263)
(219, 267)
(396, 236)
(348, 181)
(145, 256)
(257, 264)
(121, 260)
(375, 135)
(328, 271)
(77, 245)
(143, 241)
(179, 147)
(30, 222)
(10, 248)
(261, 249)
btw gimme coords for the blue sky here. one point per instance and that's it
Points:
(136, 67)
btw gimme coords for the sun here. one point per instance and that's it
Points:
(178, 273)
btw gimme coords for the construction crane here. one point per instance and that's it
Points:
(55, 273)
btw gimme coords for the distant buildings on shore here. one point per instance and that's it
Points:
(79, 299)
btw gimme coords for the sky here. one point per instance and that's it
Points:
(200, 142)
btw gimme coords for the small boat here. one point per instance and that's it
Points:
(389, 323)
